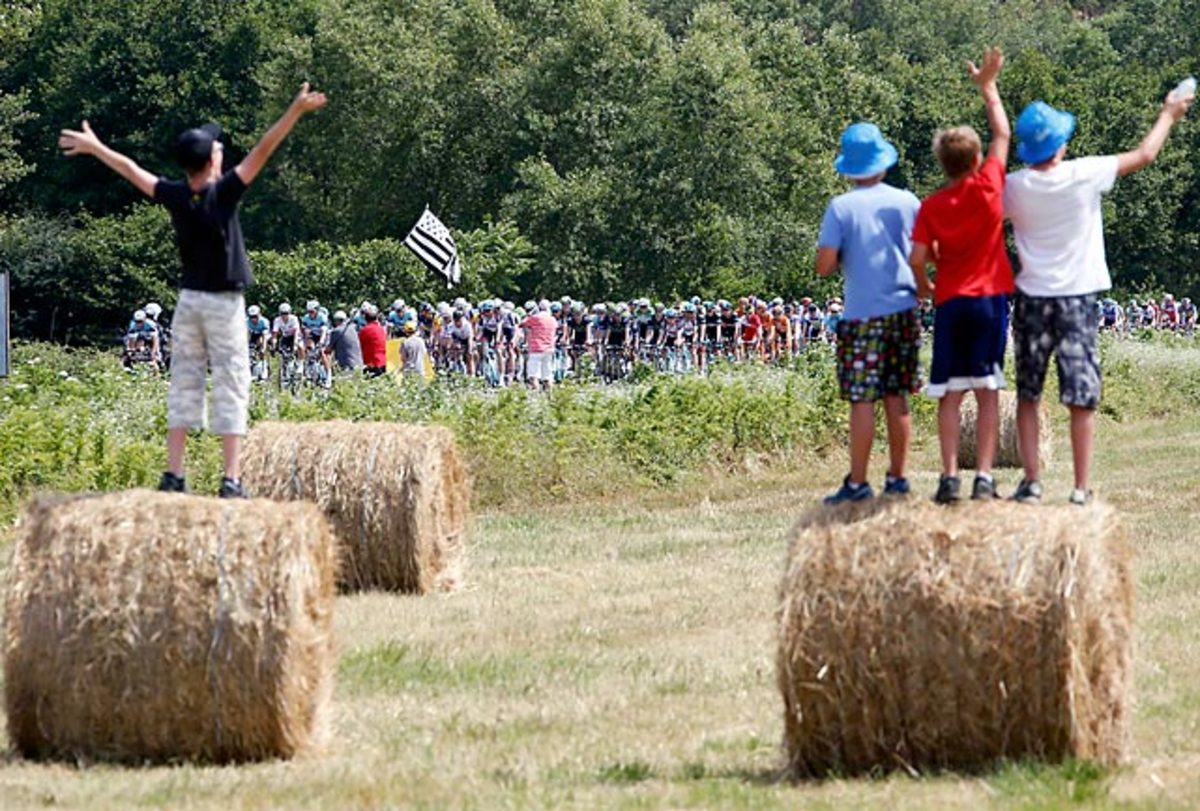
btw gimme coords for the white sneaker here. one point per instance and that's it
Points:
(1080, 497)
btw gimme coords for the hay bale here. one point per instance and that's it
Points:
(918, 637)
(396, 495)
(145, 626)
(1008, 453)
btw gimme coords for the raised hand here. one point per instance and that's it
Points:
(76, 142)
(993, 60)
(308, 100)
(1177, 107)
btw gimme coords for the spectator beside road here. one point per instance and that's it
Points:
(373, 340)
(344, 344)
(540, 329)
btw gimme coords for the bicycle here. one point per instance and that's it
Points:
(260, 370)
(488, 367)
(289, 369)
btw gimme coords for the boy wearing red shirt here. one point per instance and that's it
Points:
(960, 229)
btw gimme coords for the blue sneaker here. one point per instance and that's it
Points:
(896, 486)
(850, 492)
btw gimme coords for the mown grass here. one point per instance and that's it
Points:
(617, 652)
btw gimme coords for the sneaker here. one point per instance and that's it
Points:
(1028, 492)
(896, 486)
(850, 492)
(984, 488)
(948, 490)
(1081, 498)
(170, 483)
(232, 488)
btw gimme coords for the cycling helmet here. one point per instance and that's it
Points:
(806, 301)
(659, 307)
(566, 301)
(508, 305)
(426, 307)
(725, 305)
(777, 301)
(622, 308)
(253, 311)
(520, 312)
(671, 312)
(339, 316)
(556, 307)
(139, 315)
(312, 305)
(576, 307)
(485, 307)
(543, 305)
(153, 310)
(598, 308)
(443, 309)
(688, 307)
(458, 314)
(530, 306)
(398, 304)
(285, 309)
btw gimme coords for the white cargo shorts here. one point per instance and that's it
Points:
(540, 366)
(209, 332)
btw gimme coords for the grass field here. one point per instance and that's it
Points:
(620, 654)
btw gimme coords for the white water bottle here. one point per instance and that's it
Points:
(1184, 90)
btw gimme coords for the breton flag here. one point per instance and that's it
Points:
(430, 240)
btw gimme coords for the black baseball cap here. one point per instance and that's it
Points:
(194, 147)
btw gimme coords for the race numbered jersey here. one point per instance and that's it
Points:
(287, 327)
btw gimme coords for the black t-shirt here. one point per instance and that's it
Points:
(208, 232)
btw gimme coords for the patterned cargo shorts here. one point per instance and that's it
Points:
(209, 332)
(1068, 327)
(878, 357)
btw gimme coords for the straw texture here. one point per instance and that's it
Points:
(396, 495)
(152, 627)
(924, 638)
(1008, 453)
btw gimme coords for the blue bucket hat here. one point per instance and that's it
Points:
(1041, 130)
(864, 152)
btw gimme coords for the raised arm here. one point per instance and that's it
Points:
(1148, 149)
(305, 102)
(86, 142)
(985, 78)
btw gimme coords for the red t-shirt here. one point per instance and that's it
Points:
(966, 222)
(751, 327)
(373, 341)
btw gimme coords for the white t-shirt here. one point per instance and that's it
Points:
(1058, 228)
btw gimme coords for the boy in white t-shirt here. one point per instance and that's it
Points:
(1054, 206)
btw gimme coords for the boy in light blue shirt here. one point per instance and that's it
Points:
(869, 231)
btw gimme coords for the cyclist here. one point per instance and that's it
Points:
(1187, 315)
(690, 332)
(141, 341)
(618, 335)
(832, 319)
(579, 335)
(509, 322)
(258, 330)
(782, 332)
(396, 319)
(750, 326)
(1169, 313)
(646, 333)
(316, 334)
(462, 334)
(1110, 315)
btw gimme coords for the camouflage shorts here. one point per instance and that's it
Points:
(1067, 327)
(209, 332)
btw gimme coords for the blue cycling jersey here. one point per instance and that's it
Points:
(258, 326)
(313, 325)
(145, 328)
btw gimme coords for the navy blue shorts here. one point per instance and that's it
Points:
(969, 336)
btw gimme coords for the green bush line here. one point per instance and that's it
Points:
(73, 420)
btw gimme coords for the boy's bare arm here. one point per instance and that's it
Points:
(86, 142)
(305, 102)
(985, 78)
(918, 260)
(1148, 149)
(827, 261)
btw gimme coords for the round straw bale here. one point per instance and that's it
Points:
(151, 627)
(1008, 452)
(925, 638)
(396, 495)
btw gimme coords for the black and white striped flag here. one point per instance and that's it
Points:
(430, 240)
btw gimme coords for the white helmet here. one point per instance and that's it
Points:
(339, 316)
(398, 304)
(443, 308)
(153, 310)
(312, 305)
(544, 305)
(253, 311)
(285, 309)
(139, 315)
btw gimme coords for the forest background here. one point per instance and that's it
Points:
(596, 148)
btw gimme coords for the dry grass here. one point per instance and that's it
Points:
(620, 655)
(146, 626)
(396, 495)
(1008, 452)
(918, 637)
